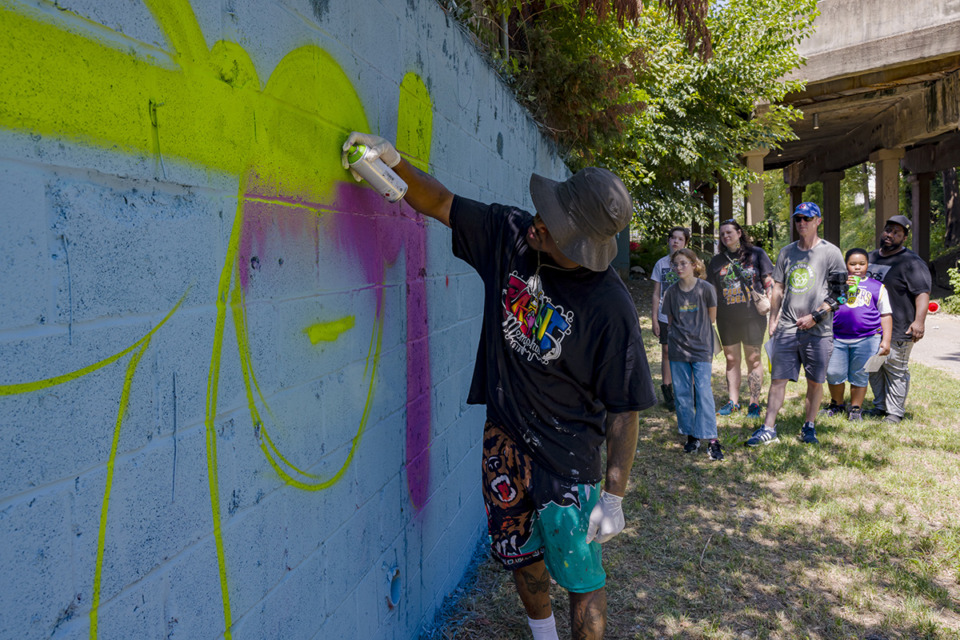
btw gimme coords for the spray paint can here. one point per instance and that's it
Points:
(376, 173)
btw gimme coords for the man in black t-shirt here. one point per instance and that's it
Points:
(561, 368)
(907, 279)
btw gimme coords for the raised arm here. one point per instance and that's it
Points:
(424, 192)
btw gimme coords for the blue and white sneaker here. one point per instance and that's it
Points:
(808, 434)
(762, 436)
(728, 408)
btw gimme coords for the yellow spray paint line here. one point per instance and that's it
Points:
(36, 385)
(329, 331)
(272, 453)
(213, 386)
(111, 463)
(179, 24)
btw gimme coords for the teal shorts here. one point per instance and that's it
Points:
(533, 515)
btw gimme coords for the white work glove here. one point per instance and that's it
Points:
(606, 519)
(380, 147)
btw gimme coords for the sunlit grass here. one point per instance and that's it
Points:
(858, 537)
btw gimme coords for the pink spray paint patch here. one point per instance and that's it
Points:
(375, 231)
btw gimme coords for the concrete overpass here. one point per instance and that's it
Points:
(883, 85)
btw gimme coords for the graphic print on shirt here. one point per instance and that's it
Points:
(801, 277)
(878, 271)
(732, 288)
(689, 307)
(532, 325)
(863, 299)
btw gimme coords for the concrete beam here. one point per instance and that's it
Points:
(885, 33)
(921, 115)
(933, 157)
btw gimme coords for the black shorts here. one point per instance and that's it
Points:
(736, 330)
(664, 330)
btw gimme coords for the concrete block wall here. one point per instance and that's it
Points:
(233, 382)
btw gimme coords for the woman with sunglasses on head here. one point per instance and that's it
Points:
(739, 268)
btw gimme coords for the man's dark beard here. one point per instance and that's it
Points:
(888, 246)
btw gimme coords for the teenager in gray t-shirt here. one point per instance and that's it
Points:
(803, 274)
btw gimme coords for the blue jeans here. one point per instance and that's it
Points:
(848, 359)
(693, 395)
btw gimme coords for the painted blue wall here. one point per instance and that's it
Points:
(232, 400)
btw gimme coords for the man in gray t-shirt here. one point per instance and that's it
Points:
(801, 323)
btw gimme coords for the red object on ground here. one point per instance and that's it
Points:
(934, 306)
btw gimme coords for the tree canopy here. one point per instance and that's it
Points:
(670, 94)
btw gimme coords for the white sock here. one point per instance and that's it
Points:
(545, 629)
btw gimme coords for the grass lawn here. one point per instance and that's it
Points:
(858, 537)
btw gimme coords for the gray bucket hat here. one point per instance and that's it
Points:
(584, 214)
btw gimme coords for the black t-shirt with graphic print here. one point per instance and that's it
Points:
(905, 275)
(549, 370)
(727, 275)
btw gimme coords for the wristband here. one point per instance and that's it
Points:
(817, 316)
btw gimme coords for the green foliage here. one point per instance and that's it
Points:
(951, 304)
(634, 95)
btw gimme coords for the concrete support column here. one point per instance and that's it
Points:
(796, 197)
(831, 206)
(726, 199)
(707, 191)
(754, 200)
(888, 185)
(920, 197)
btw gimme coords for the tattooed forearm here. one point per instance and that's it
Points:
(755, 380)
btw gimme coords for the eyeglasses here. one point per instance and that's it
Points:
(730, 221)
(681, 263)
(802, 218)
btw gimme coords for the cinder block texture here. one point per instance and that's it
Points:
(233, 381)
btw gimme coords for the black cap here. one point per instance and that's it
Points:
(903, 221)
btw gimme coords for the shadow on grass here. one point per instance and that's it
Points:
(767, 543)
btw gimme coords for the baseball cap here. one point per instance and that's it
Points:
(807, 209)
(584, 214)
(903, 221)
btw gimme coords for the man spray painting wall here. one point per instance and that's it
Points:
(560, 375)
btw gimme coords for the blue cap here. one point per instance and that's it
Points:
(808, 210)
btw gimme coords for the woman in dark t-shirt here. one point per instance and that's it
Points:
(739, 268)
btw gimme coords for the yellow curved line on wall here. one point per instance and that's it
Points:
(207, 108)
(105, 505)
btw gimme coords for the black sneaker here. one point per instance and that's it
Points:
(855, 415)
(762, 436)
(808, 434)
(873, 413)
(693, 444)
(834, 409)
(716, 451)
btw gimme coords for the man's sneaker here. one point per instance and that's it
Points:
(873, 413)
(692, 445)
(728, 408)
(716, 451)
(891, 419)
(762, 436)
(834, 409)
(808, 434)
(753, 411)
(855, 415)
